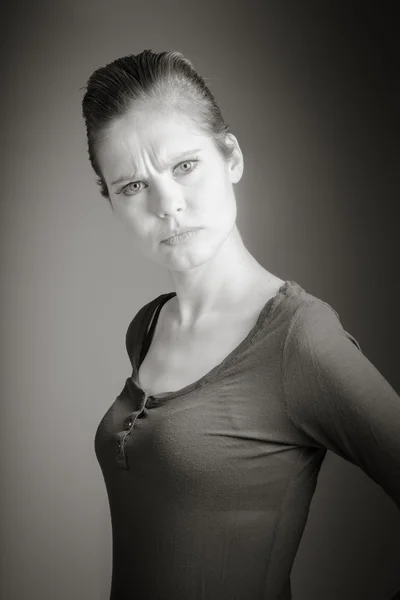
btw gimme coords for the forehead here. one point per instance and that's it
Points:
(153, 135)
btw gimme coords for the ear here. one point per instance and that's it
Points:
(235, 163)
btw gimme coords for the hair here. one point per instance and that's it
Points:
(167, 80)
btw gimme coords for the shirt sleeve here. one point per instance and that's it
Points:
(338, 399)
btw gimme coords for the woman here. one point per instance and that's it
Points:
(240, 381)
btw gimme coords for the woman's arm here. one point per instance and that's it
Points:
(338, 399)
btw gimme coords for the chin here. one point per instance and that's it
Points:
(185, 261)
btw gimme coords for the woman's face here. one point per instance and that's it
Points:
(163, 174)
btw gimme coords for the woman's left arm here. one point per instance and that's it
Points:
(338, 398)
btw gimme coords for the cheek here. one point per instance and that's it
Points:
(216, 194)
(132, 217)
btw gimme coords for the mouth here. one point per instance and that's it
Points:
(182, 236)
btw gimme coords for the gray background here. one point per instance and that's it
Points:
(311, 91)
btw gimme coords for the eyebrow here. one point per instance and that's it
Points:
(171, 160)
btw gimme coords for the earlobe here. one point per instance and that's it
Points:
(236, 165)
(236, 173)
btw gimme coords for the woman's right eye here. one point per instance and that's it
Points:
(131, 188)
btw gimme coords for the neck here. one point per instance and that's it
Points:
(218, 283)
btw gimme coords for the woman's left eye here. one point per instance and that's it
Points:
(187, 166)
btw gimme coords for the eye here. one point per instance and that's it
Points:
(186, 166)
(131, 188)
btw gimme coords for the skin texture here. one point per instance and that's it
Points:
(163, 190)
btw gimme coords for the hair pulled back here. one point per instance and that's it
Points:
(168, 79)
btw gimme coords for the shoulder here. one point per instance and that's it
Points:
(320, 357)
(305, 317)
(298, 313)
(311, 316)
(316, 325)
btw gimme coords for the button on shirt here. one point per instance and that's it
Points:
(210, 486)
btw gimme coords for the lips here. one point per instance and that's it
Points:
(179, 232)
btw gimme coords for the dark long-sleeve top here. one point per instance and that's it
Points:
(209, 486)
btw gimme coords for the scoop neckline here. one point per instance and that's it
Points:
(239, 349)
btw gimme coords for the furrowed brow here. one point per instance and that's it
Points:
(171, 160)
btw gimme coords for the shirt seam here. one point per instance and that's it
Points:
(295, 318)
(279, 519)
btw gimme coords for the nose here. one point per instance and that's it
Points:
(167, 198)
